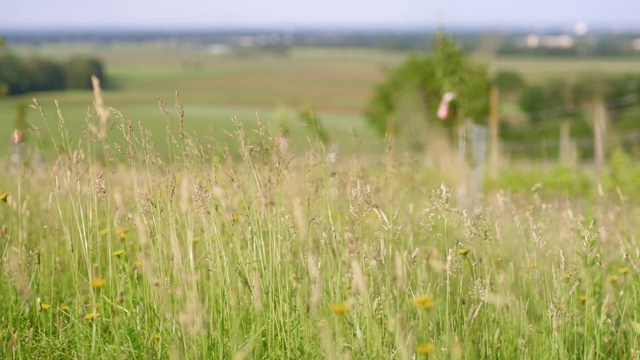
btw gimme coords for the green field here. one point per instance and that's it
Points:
(171, 245)
(337, 83)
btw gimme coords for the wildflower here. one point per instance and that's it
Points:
(464, 252)
(583, 298)
(98, 282)
(613, 278)
(533, 266)
(104, 232)
(137, 264)
(196, 240)
(425, 348)
(122, 233)
(156, 336)
(340, 308)
(623, 271)
(118, 253)
(4, 197)
(566, 276)
(44, 306)
(64, 308)
(424, 302)
(92, 316)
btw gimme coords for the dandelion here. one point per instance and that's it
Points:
(4, 197)
(613, 278)
(464, 252)
(64, 308)
(424, 302)
(156, 336)
(104, 232)
(566, 276)
(340, 308)
(118, 253)
(44, 306)
(533, 266)
(425, 348)
(92, 316)
(98, 282)
(196, 240)
(122, 233)
(623, 271)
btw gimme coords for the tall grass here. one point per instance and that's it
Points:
(256, 252)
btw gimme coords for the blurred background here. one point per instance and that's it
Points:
(556, 82)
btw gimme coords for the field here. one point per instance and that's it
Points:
(147, 240)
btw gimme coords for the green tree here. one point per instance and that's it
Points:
(78, 71)
(14, 74)
(509, 82)
(44, 74)
(418, 85)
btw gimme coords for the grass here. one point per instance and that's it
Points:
(255, 251)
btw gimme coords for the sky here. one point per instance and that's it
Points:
(328, 14)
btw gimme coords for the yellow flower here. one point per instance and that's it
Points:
(583, 298)
(118, 253)
(97, 282)
(92, 316)
(340, 308)
(425, 348)
(196, 240)
(44, 306)
(533, 266)
(122, 233)
(137, 264)
(4, 197)
(64, 308)
(424, 301)
(156, 336)
(566, 276)
(623, 270)
(613, 278)
(104, 231)
(464, 252)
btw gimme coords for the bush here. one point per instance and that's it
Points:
(78, 72)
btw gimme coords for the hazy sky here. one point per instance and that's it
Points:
(164, 14)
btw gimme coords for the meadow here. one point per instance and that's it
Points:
(151, 239)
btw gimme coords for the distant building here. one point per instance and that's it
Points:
(533, 41)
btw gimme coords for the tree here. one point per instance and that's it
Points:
(509, 82)
(78, 71)
(417, 86)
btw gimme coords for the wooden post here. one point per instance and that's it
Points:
(493, 132)
(565, 143)
(599, 133)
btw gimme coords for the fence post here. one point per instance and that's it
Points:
(565, 143)
(493, 132)
(599, 133)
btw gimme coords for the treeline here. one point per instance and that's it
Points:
(19, 75)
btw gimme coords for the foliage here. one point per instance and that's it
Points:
(509, 82)
(78, 72)
(428, 78)
(21, 75)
